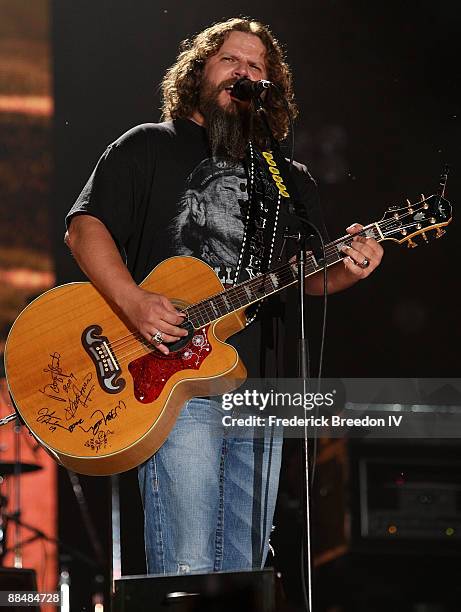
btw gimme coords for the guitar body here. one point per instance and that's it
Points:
(97, 396)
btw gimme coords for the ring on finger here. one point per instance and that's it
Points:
(157, 338)
(365, 263)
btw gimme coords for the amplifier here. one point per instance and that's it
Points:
(249, 591)
(381, 497)
(410, 498)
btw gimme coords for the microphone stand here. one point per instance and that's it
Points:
(303, 374)
(261, 111)
(17, 491)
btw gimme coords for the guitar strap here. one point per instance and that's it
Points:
(270, 183)
(286, 182)
(260, 225)
(282, 174)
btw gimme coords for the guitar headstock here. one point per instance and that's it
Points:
(425, 218)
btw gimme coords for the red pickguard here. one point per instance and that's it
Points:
(151, 372)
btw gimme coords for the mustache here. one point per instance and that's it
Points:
(226, 84)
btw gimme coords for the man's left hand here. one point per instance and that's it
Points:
(364, 255)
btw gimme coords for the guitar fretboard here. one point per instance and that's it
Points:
(243, 295)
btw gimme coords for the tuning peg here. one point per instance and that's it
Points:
(410, 208)
(440, 232)
(423, 198)
(426, 239)
(411, 244)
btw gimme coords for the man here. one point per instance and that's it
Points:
(198, 185)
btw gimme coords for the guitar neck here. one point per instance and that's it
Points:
(256, 289)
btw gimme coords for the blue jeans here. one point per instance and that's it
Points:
(209, 498)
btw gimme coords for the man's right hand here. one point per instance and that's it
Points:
(151, 313)
(96, 253)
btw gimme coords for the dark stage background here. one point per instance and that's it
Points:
(377, 88)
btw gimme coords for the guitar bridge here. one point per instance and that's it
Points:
(106, 365)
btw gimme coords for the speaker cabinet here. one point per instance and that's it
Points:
(387, 526)
(248, 591)
(377, 497)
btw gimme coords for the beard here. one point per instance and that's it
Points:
(229, 127)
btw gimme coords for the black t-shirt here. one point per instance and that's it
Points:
(160, 194)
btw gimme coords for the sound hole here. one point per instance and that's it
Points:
(181, 343)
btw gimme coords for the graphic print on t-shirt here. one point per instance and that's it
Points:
(212, 210)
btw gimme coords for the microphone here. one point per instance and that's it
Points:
(244, 89)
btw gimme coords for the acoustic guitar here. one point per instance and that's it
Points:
(102, 400)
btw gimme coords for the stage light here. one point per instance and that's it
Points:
(64, 587)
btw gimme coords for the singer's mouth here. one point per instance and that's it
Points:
(227, 85)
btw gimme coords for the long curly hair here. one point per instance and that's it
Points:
(182, 81)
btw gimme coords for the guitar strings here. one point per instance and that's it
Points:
(141, 343)
(240, 291)
(140, 350)
(331, 249)
(200, 309)
(204, 310)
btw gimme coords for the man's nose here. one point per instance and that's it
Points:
(241, 70)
